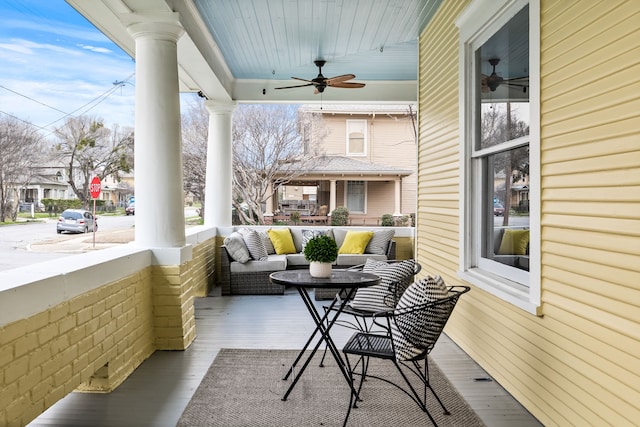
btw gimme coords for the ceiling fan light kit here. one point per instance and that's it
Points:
(320, 82)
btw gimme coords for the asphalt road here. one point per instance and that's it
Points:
(32, 242)
(28, 243)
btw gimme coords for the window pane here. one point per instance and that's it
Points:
(507, 208)
(356, 136)
(503, 121)
(356, 143)
(502, 67)
(355, 196)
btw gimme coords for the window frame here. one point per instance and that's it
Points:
(364, 195)
(365, 138)
(477, 24)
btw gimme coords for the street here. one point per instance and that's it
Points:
(26, 244)
(30, 243)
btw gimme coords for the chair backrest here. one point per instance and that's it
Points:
(396, 276)
(415, 329)
(323, 210)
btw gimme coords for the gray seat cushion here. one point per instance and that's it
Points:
(273, 263)
(294, 260)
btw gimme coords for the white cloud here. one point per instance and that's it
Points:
(96, 49)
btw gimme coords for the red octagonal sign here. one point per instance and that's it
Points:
(95, 187)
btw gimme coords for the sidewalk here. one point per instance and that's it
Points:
(79, 243)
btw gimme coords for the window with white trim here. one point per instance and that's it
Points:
(500, 143)
(356, 137)
(356, 191)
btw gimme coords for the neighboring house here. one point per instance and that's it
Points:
(560, 332)
(118, 191)
(47, 182)
(369, 165)
(50, 182)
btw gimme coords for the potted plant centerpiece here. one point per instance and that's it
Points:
(321, 252)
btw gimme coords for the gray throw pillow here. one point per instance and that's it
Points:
(411, 333)
(237, 248)
(394, 279)
(379, 242)
(264, 236)
(254, 244)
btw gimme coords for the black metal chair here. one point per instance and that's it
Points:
(379, 298)
(414, 332)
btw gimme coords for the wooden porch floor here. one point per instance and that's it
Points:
(159, 390)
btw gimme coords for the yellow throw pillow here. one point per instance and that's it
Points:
(514, 242)
(355, 242)
(282, 240)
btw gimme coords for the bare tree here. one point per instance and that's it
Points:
(195, 130)
(271, 145)
(20, 149)
(87, 148)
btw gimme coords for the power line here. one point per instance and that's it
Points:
(95, 101)
(23, 121)
(31, 99)
(99, 99)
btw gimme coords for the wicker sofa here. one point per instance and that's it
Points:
(252, 277)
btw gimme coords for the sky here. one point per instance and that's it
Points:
(55, 64)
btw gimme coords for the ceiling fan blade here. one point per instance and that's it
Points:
(291, 87)
(337, 79)
(304, 80)
(348, 85)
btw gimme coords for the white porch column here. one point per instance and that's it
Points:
(332, 195)
(268, 209)
(217, 200)
(158, 154)
(396, 198)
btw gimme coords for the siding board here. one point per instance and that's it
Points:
(578, 364)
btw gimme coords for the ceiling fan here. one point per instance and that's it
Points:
(321, 82)
(491, 83)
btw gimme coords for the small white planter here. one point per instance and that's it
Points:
(320, 269)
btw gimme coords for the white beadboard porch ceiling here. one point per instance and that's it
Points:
(373, 39)
(242, 49)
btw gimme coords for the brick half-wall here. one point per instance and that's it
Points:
(174, 314)
(91, 342)
(94, 340)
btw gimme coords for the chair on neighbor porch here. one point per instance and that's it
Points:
(415, 325)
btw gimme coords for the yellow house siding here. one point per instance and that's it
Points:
(579, 364)
(438, 151)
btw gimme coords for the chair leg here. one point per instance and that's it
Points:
(427, 384)
(416, 397)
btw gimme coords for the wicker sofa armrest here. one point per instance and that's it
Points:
(225, 270)
(391, 250)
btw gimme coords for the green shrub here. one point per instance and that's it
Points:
(295, 217)
(340, 216)
(387, 220)
(403, 221)
(321, 249)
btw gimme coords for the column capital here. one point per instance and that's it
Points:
(216, 107)
(159, 25)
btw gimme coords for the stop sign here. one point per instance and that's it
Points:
(95, 187)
